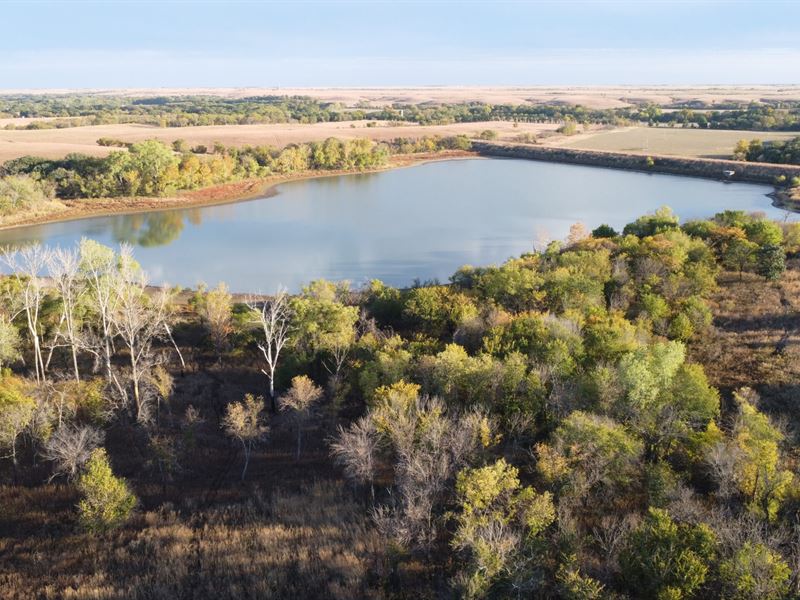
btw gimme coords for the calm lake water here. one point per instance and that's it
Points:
(420, 222)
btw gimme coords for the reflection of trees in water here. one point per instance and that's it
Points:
(14, 245)
(153, 229)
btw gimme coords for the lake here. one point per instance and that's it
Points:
(418, 222)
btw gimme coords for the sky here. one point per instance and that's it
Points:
(72, 44)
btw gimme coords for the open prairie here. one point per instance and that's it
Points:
(590, 96)
(55, 143)
(709, 143)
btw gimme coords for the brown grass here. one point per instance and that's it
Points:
(756, 338)
(56, 143)
(315, 542)
(708, 143)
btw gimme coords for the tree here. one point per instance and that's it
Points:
(754, 572)
(756, 468)
(70, 447)
(770, 262)
(666, 560)
(300, 400)
(64, 266)
(590, 454)
(17, 408)
(27, 268)
(244, 422)
(107, 500)
(139, 319)
(355, 449)
(98, 266)
(497, 522)
(325, 326)
(273, 318)
(215, 311)
(739, 254)
(604, 231)
(9, 342)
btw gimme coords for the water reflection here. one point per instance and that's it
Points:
(421, 222)
(153, 229)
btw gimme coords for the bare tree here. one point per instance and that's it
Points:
(70, 447)
(355, 449)
(244, 422)
(27, 267)
(138, 320)
(429, 448)
(273, 317)
(300, 399)
(65, 273)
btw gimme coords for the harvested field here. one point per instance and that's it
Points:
(55, 143)
(590, 96)
(705, 143)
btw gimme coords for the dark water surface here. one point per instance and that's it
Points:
(419, 222)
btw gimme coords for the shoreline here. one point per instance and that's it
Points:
(226, 193)
(251, 189)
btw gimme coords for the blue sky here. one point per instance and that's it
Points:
(304, 44)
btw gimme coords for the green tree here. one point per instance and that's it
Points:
(499, 519)
(771, 262)
(107, 500)
(754, 572)
(666, 560)
(17, 408)
(9, 342)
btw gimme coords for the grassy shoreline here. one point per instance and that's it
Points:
(226, 193)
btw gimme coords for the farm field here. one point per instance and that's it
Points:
(590, 96)
(707, 143)
(56, 143)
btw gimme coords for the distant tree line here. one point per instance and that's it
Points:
(182, 111)
(152, 168)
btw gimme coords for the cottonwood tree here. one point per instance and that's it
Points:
(138, 320)
(64, 267)
(300, 400)
(273, 318)
(27, 268)
(244, 422)
(70, 447)
(98, 265)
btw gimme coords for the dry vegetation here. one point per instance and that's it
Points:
(756, 339)
(56, 143)
(708, 143)
(592, 97)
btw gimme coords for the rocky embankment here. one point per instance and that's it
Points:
(725, 170)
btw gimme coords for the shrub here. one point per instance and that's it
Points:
(107, 501)
(21, 192)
